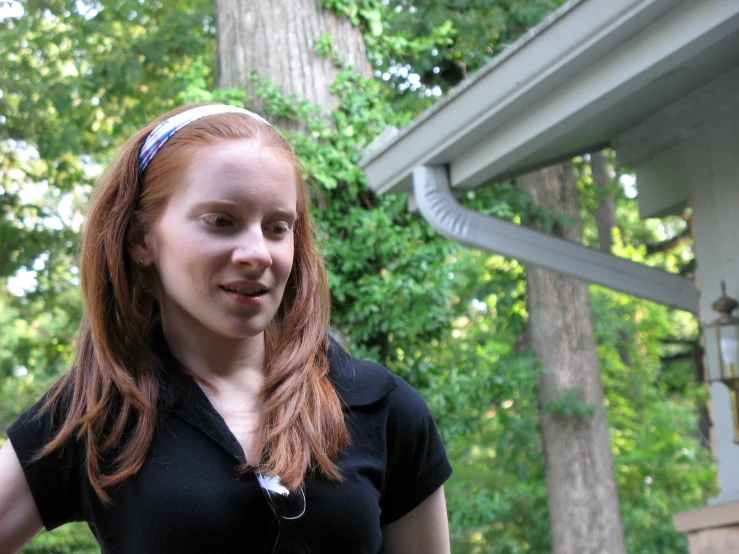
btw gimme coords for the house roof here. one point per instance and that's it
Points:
(588, 73)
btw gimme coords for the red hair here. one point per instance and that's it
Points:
(114, 384)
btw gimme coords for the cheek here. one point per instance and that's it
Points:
(283, 259)
(289, 260)
(181, 259)
(200, 289)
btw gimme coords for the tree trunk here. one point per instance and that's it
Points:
(605, 215)
(583, 497)
(605, 219)
(276, 39)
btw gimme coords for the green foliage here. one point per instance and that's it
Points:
(661, 468)
(506, 201)
(74, 538)
(366, 13)
(82, 77)
(427, 46)
(570, 404)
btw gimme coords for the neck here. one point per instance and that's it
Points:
(217, 359)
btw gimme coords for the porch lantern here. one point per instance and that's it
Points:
(724, 334)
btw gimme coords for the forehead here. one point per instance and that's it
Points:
(235, 168)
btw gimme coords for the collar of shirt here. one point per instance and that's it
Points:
(357, 382)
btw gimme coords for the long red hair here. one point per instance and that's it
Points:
(114, 384)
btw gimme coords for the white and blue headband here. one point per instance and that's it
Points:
(164, 131)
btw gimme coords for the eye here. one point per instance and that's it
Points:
(218, 220)
(278, 228)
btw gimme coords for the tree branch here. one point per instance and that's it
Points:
(672, 340)
(689, 355)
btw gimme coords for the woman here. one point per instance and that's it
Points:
(207, 410)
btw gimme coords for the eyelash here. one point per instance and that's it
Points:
(278, 229)
(211, 219)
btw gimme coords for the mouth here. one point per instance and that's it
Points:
(252, 293)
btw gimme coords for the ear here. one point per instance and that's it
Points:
(141, 252)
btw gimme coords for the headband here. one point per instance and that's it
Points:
(164, 131)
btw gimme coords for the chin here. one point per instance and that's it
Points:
(243, 331)
(238, 334)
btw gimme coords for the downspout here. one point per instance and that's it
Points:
(435, 201)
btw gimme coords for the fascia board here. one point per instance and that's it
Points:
(548, 56)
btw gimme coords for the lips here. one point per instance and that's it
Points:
(251, 296)
(246, 291)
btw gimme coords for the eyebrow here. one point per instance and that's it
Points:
(282, 212)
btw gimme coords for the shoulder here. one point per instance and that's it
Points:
(396, 425)
(362, 383)
(55, 479)
(46, 416)
(357, 382)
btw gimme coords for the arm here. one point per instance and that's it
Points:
(19, 518)
(424, 530)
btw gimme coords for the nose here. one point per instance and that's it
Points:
(251, 249)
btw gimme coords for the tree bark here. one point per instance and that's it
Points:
(605, 215)
(276, 39)
(605, 220)
(583, 497)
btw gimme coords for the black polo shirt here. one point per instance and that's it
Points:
(189, 497)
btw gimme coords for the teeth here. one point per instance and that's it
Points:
(247, 292)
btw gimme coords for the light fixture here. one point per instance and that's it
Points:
(722, 336)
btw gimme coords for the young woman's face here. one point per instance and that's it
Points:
(223, 247)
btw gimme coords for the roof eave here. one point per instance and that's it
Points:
(514, 94)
